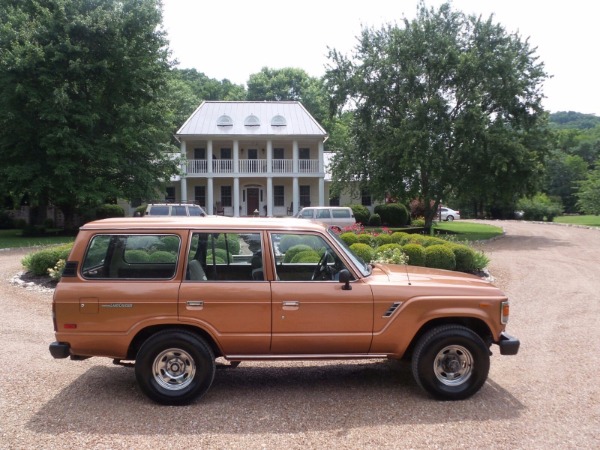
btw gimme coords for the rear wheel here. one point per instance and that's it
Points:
(451, 362)
(450, 218)
(175, 367)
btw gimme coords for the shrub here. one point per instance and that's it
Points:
(419, 222)
(393, 214)
(312, 241)
(440, 257)
(6, 222)
(137, 256)
(375, 220)
(220, 253)
(349, 238)
(169, 244)
(382, 239)
(140, 210)
(288, 241)
(480, 261)
(106, 211)
(232, 245)
(539, 207)
(289, 255)
(363, 251)
(385, 247)
(162, 257)
(430, 240)
(366, 239)
(307, 256)
(400, 237)
(415, 253)
(56, 272)
(39, 262)
(464, 256)
(33, 231)
(361, 213)
(391, 255)
(417, 239)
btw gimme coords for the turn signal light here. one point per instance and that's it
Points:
(70, 326)
(504, 312)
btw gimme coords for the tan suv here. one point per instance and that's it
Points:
(174, 293)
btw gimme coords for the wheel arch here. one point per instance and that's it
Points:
(145, 333)
(476, 325)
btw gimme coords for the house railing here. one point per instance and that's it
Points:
(252, 166)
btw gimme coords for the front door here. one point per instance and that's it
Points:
(252, 201)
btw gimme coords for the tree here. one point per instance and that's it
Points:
(444, 104)
(589, 192)
(563, 171)
(83, 116)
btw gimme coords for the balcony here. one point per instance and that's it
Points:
(252, 166)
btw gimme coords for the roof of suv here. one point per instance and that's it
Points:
(208, 222)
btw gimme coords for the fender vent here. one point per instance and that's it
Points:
(391, 309)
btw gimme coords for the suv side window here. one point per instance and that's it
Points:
(124, 257)
(323, 214)
(340, 213)
(305, 257)
(307, 213)
(225, 257)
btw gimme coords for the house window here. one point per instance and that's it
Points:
(200, 195)
(278, 196)
(170, 195)
(304, 153)
(334, 201)
(199, 153)
(278, 153)
(278, 121)
(225, 153)
(252, 153)
(224, 121)
(365, 198)
(252, 121)
(225, 195)
(304, 195)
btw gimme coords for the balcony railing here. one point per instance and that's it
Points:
(252, 166)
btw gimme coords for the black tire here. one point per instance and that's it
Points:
(451, 362)
(175, 367)
(449, 218)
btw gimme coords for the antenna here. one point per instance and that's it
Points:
(407, 275)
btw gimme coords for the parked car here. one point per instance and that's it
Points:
(174, 209)
(449, 214)
(337, 217)
(174, 293)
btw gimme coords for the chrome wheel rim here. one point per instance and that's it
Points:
(174, 369)
(453, 365)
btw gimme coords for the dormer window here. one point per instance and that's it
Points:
(252, 121)
(224, 121)
(278, 121)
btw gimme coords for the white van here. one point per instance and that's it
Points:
(174, 209)
(334, 216)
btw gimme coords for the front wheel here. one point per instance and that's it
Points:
(451, 362)
(175, 367)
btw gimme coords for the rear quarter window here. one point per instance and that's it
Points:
(159, 211)
(341, 214)
(122, 257)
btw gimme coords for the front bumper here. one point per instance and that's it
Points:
(508, 344)
(60, 350)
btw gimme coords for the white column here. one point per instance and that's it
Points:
(209, 157)
(210, 201)
(183, 171)
(295, 195)
(321, 191)
(269, 156)
(295, 157)
(269, 196)
(321, 157)
(236, 158)
(236, 197)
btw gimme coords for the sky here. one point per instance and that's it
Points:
(234, 39)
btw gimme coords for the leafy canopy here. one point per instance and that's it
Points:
(442, 104)
(83, 116)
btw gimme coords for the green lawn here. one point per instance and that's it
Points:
(13, 239)
(591, 221)
(467, 231)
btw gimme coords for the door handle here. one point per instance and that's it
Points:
(290, 305)
(195, 304)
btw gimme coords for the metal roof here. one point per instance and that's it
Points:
(220, 119)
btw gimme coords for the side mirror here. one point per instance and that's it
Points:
(344, 277)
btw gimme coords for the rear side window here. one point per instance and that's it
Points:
(124, 257)
(323, 214)
(340, 213)
(179, 211)
(159, 211)
(307, 213)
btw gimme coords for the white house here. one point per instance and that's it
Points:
(247, 158)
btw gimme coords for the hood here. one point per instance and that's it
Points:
(402, 274)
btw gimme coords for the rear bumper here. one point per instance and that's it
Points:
(60, 350)
(508, 344)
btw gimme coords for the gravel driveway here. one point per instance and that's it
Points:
(545, 397)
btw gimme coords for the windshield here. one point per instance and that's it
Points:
(365, 269)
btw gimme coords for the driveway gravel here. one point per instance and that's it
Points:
(547, 396)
